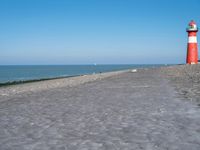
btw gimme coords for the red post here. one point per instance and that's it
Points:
(192, 48)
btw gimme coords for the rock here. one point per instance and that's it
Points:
(134, 70)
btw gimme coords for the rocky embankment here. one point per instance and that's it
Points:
(19, 89)
(186, 80)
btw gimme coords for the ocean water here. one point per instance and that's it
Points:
(39, 72)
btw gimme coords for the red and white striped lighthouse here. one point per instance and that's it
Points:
(192, 48)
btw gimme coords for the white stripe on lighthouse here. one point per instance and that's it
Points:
(192, 39)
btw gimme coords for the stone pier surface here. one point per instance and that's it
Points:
(128, 111)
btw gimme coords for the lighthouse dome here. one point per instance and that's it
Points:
(192, 26)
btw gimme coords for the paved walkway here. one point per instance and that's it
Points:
(131, 111)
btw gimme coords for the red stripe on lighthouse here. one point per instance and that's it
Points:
(192, 53)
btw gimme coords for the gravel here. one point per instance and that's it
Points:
(186, 80)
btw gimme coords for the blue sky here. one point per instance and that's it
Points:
(95, 31)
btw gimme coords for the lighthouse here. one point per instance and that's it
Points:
(192, 48)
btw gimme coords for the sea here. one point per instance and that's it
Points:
(23, 73)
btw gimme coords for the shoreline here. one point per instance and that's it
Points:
(184, 79)
(36, 79)
(40, 85)
(17, 82)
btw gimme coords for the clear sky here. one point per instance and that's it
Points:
(95, 31)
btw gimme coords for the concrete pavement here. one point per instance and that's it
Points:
(130, 111)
